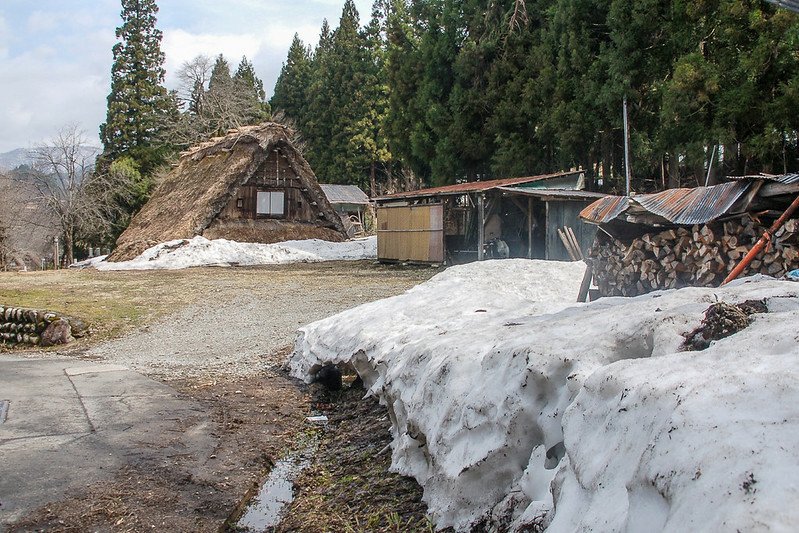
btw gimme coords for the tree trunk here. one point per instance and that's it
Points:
(69, 242)
(674, 170)
(607, 156)
(372, 180)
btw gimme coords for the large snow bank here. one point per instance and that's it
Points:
(503, 393)
(199, 251)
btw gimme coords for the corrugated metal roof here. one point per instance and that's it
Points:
(793, 5)
(786, 179)
(344, 194)
(693, 206)
(678, 206)
(605, 210)
(472, 186)
(565, 194)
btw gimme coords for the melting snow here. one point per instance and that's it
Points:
(516, 408)
(199, 251)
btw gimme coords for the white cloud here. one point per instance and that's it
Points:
(180, 46)
(39, 21)
(5, 36)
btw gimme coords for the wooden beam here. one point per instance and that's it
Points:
(529, 228)
(586, 283)
(481, 225)
(777, 189)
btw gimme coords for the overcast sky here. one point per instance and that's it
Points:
(55, 55)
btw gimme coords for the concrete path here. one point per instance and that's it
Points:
(66, 424)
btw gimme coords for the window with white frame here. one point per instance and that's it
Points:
(270, 203)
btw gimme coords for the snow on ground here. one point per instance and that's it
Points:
(514, 407)
(199, 251)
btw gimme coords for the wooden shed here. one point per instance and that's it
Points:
(352, 205)
(251, 185)
(514, 217)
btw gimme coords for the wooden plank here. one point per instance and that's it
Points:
(586, 283)
(566, 244)
(573, 240)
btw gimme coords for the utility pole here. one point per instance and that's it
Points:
(626, 149)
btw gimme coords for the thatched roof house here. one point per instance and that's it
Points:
(251, 185)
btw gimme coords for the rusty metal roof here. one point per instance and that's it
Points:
(786, 179)
(605, 209)
(564, 194)
(678, 206)
(693, 206)
(472, 186)
(344, 194)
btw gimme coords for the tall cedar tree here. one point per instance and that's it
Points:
(339, 104)
(370, 135)
(316, 126)
(253, 88)
(138, 102)
(291, 89)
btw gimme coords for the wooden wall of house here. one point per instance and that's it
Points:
(275, 174)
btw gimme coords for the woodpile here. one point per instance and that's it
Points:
(19, 326)
(699, 256)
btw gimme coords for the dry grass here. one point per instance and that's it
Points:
(113, 303)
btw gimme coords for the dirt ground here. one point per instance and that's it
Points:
(256, 409)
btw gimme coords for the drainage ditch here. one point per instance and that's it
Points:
(265, 509)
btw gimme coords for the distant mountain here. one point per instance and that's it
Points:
(22, 156)
(14, 158)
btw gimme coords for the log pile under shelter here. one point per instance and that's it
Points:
(692, 237)
(696, 256)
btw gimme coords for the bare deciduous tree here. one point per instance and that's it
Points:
(82, 202)
(194, 76)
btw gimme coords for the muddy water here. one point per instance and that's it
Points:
(265, 510)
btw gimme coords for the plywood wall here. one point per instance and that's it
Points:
(411, 233)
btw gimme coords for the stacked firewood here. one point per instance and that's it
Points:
(19, 326)
(699, 256)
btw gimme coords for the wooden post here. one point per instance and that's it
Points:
(481, 225)
(582, 296)
(529, 228)
(547, 255)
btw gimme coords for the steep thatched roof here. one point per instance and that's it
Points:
(208, 175)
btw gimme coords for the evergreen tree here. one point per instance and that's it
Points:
(252, 88)
(220, 74)
(292, 87)
(246, 74)
(402, 73)
(138, 101)
(233, 101)
(338, 107)
(315, 124)
(370, 136)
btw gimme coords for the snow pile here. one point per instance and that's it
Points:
(199, 251)
(503, 393)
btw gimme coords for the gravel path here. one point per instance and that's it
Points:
(237, 330)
